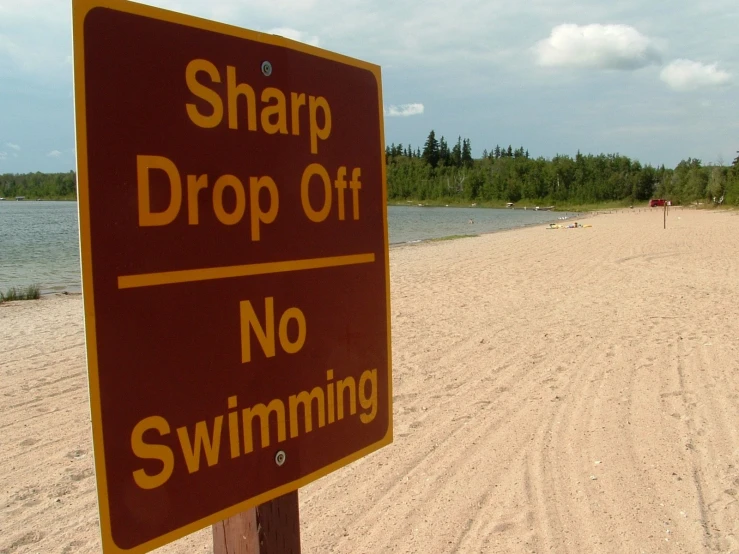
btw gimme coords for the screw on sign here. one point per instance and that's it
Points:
(235, 273)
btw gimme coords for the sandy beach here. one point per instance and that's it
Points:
(568, 391)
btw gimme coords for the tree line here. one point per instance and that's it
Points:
(57, 186)
(502, 174)
(510, 174)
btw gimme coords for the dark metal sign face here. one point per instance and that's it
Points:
(235, 266)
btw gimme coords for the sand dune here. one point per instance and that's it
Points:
(570, 390)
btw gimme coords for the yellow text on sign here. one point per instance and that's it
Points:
(263, 195)
(265, 334)
(273, 116)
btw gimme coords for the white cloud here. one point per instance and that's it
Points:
(404, 110)
(13, 146)
(472, 59)
(3, 156)
(294, 34)
(596, 46)
(684, 75)
(54, 154)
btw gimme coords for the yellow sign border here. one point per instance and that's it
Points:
(80, 9)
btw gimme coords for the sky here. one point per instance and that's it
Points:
(655, 80)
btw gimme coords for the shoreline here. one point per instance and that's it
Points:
(77, 286)
(394, 245)
(77, 289)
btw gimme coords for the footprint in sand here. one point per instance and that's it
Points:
(26, 539)
(26, 493)
(73, 546)
(81, 475)
(76, 454)
(502, 527)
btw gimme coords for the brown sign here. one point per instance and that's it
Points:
(235, 266)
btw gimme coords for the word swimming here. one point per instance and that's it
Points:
(207, 440)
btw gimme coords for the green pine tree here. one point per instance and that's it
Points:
(431, 150)
(457, 153)
(466, 153)
(444, 154)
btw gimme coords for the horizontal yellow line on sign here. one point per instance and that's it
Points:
(209, 273)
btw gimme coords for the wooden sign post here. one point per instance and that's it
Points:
(235, 275)
(271, 528)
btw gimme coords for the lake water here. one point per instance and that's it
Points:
(409, 224)
(39, 241)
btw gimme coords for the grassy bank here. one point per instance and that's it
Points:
(70, 198)
(31, 292)
(528, 204)
(442, 202)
